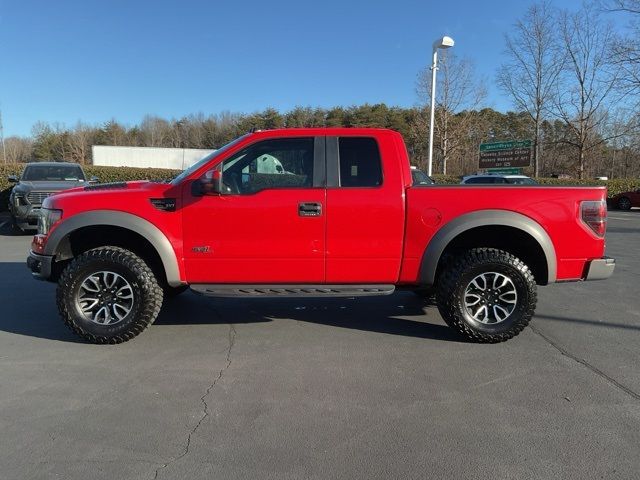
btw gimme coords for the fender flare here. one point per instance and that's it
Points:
(484, 218)
(115, 218)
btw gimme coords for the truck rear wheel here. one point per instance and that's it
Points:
(487, 295)
(108, 295)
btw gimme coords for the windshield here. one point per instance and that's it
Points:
(55, 173)
(205, 160)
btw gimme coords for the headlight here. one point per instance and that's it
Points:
(46, 219)
(19, 200)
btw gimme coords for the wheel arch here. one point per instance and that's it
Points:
(510, 231)
(102, 227)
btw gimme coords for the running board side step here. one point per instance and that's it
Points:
(238, 290)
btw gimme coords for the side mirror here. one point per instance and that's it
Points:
(93, 180)
(210, 184)
(13, 179)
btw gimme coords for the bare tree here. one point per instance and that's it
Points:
(18, 149)
(534, 62)
(79, 143)
(589, 81)
(626, 50)
(156, 131)
(457, 94)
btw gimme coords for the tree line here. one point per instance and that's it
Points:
(572, 78)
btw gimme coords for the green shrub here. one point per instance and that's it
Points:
(447, 179)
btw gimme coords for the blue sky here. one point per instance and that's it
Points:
(64, 61)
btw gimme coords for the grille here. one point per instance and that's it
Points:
(37, 197)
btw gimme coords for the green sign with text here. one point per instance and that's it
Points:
(505, 154)
(505, 171)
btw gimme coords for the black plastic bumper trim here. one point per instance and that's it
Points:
(40, 265)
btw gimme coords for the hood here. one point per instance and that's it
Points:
(47, 186)
(119, 195)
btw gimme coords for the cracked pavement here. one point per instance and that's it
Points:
(338, 388)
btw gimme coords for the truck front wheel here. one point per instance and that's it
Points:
(108, 295)
(487, 295)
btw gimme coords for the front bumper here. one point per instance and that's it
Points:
(40, 265)
(26, 217)
(601, 268)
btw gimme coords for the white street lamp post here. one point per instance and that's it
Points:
(444, 42)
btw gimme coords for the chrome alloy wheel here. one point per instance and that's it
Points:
(105, 298)
(490, 298)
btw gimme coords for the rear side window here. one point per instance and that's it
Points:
(360, 163)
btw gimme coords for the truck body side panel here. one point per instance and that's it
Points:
(555, 209)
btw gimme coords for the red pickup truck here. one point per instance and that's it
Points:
(314, 212)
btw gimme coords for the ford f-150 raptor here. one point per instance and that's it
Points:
(334, 213)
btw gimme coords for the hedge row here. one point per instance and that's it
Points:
(119, 174)
(614, 186)
(104, 174)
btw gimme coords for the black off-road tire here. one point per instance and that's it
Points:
(454, 280)
(147, 294)
(623, 203)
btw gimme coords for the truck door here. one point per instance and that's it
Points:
(268, 226)
(365, 210)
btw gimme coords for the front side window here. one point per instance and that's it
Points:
(360, 163)
(278, 163)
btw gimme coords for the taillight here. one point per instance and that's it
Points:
(594, 214)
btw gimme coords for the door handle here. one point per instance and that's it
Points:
(309, 209)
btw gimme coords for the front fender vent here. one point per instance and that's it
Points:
(164, 204)
(106, 186)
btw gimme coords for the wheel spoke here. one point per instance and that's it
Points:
(92, 284)
(500, 313)
(124, 293)
(483, 310)
(109, 279)
(88, 303)
(472, 296)
(512, 300)
(102, 316)
(120, 311)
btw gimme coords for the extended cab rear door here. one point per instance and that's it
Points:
(365, 210)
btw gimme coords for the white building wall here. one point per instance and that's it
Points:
(147, 157)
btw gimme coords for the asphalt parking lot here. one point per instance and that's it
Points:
(347, 388)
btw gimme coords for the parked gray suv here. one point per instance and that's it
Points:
(37, 182)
